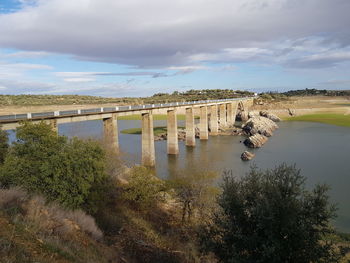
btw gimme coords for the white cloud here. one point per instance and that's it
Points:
(158, 33)
(79, 79)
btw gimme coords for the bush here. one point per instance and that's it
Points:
(195, 192)
(268, 216)
(143, 188)
(71, 172)
(3, 145)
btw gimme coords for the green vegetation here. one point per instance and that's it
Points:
(195, 191)
(67, 200)
(269, 216)
(71, 172)
(327, 118)
(305, 92)
(3, 145)
(143, 188)
(157, 131)
(191, 95)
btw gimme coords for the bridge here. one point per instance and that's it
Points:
(222, 114)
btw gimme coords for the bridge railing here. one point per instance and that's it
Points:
(65, 113)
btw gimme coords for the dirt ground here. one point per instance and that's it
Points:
(308, 105)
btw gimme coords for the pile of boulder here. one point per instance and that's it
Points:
(258, 128)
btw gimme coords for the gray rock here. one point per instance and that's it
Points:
(255, 141)
(270, 116)
(260, 125)
(246, 156)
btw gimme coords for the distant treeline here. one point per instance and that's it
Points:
(304, 92)
(190, 95)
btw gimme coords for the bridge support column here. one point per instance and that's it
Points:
(54, 125)
(203, 126)
(148, 150)
(190, 131)
(231, 113)
(172, 138)
(245, 112)
(110, 132)
(222, 115)
(214, 122)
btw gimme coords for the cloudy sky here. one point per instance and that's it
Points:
(141, 47)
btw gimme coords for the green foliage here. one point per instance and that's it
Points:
(268, 216)
(3, 145)
(195, 191)
(144, 189)
(71, 172)
(327, 118)
(156, 98)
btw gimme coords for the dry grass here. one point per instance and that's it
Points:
(47, 218)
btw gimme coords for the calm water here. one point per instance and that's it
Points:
(321, 151)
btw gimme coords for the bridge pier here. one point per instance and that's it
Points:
(222, 115)
(110, 132)
(148, 149)
(172, 137)
(214, 122)
(203, 125)
(231, 113)
(190, 131)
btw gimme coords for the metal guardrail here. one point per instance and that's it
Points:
(46, 115)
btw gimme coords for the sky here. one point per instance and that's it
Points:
(137, 48)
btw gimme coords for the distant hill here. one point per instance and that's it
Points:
(191, 95)
(309, 92)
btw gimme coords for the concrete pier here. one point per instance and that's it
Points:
(222, 116)
(110, 132)
(190, 131)
(214, 121)
(148, 150)
(203, 126)
(231, 113)
(172, 138)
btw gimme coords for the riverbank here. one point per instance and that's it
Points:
(326, 118)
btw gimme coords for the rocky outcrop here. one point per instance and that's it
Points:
(246, 156)
(270, 116)
(260, 125)
(255, 141)
(253, 114)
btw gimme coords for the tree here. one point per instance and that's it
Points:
(268, 216)
(71, 172)
(3, 145)
(195, 191)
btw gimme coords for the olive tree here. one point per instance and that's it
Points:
(269, 216)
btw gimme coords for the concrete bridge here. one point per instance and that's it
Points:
(222, 114)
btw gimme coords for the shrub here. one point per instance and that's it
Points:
(71, 172)
(3, 145)
(268, 216)
(143, 188)
(195, 192)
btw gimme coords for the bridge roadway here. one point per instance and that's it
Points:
(222, 114)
